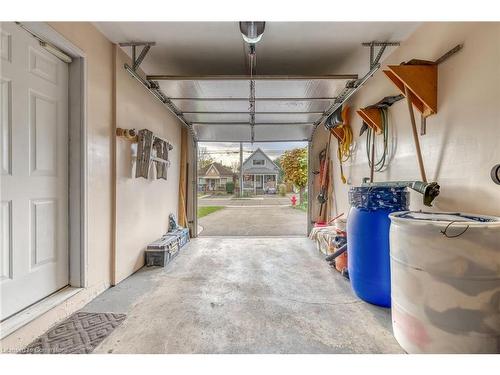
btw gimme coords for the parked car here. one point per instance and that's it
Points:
(270, 190)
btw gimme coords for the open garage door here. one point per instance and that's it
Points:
(222, 109)
(242, 189)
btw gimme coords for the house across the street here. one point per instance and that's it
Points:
(260, 173)
(214, 177)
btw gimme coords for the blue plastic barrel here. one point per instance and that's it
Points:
(368, 240)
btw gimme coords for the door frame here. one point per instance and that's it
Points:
(310, 186)
(77, 142)
(193, 156)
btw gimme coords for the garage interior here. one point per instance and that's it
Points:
(101, 123)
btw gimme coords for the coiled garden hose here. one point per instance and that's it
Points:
(382, 162)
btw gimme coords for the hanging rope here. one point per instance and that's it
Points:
(344, 150)
(344, 144)
(382, 162)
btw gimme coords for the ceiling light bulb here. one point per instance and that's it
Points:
(252, 31)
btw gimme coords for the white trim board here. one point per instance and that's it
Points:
(32, 312)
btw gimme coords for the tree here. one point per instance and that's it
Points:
(281, 175)
(294, 165)
(204, 158)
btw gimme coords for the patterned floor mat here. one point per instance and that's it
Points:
(78, 334)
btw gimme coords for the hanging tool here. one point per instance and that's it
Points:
(415, 136)
(375, 124)
(380, 164)
(340, 120)
(372, 156)
(323, 194)
(335, 218)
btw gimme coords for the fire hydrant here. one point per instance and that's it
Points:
(294, 200)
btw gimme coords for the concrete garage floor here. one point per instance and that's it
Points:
(243, 295)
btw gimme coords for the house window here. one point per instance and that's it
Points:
(259, 162)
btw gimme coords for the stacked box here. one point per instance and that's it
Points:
(165, 249)
(162, 251)
(183, 235)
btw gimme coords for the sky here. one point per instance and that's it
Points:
(228, 153)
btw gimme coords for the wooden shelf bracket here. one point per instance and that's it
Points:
(372, 118)
(421, 81)
(417, 80)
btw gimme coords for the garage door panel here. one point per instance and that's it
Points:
(299, 101)
(211, 105)
(205, 88)
(298, 88)
(240, 88)
(286, 117)
(282, 133)
(260, 106)
(292, 106)
(217, 117)
(223, 133)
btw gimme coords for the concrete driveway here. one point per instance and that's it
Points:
(261, 216)
(264, 200)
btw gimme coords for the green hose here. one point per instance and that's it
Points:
(381, 163)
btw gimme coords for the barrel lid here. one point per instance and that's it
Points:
(444, 218)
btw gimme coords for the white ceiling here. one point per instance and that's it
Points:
(286, 48)
(198, 48)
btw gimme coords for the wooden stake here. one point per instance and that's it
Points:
(182, 214)
(372, 167)
(415, 136)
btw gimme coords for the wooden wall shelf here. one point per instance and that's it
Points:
(421, 81)
(338, 133)
(372, 118)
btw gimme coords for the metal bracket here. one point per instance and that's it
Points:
(354, 85)
(374, 60)
(136, 61)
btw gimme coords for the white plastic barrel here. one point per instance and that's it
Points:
(445, 282)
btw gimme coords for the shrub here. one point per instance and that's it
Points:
(230, 187)
(282, 189)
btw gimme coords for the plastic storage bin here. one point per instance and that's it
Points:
(368, 240)
(445, 282)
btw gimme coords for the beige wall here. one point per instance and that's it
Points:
(99, 70)
(463, 139)
(142, 206)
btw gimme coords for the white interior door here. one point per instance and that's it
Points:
(34, 165)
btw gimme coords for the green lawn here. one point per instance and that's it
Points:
(302, 207)
(207, 210)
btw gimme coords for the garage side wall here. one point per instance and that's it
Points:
(142, 206)
(462, 141)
